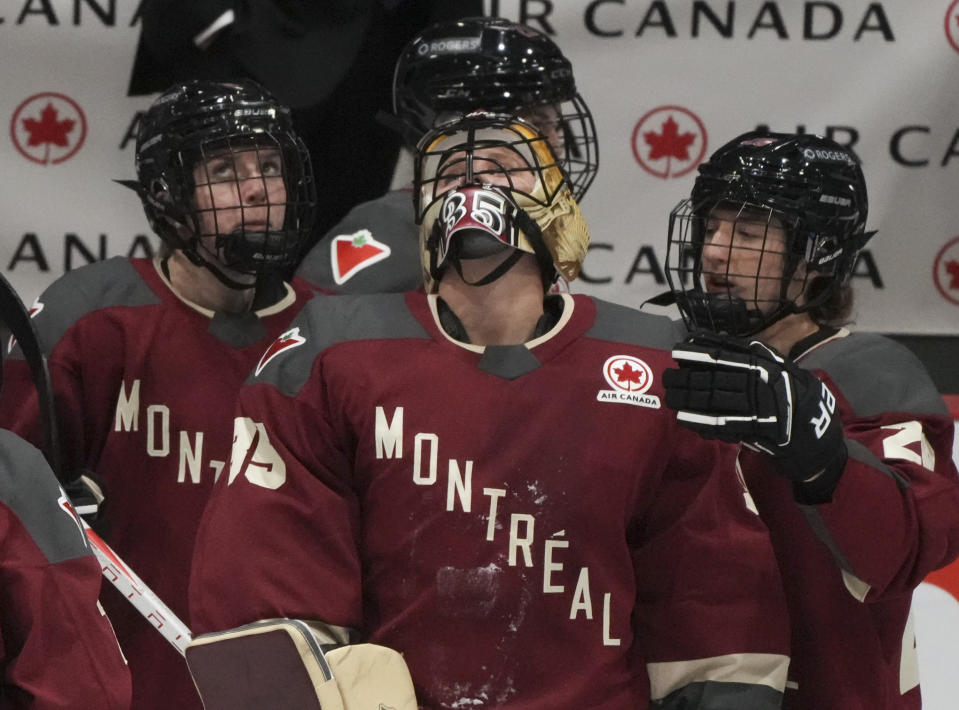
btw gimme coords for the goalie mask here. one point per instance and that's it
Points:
(223, 177)
(497, 66)
(773, 227)
(488, 183)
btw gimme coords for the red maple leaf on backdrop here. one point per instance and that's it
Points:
(627, 374)
(953, 268)
(48, 130)
(670, 143)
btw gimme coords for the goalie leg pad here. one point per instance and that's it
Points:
(282, 664)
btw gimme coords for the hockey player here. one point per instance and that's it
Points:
(58, 648)
(451, 68)
(146, 355)
(481, 476)
(846, 445)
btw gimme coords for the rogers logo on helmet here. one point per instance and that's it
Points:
(450, 45)
(811, 154)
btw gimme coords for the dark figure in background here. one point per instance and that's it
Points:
(331, 62)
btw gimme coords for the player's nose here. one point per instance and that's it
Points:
(717, 243)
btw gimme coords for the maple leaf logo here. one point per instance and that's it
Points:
(945, 269)
(670, 135)
(952, 268)
(669, 143)
(48, 128)
(627, 374)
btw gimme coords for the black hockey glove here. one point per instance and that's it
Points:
(86, 495)
(736, 391)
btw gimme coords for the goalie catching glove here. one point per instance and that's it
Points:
(736, 391)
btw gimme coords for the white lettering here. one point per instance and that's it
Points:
(582, 600)
(389, 437)
(607, 639)
(127, 416)
(460, 486)
(517, 542)
(549, 566)
(909, 434)
(163, 412)
(190, 457)
(494, 495)
(418, 477)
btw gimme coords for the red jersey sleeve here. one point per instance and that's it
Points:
(303, 561)
(59, 649)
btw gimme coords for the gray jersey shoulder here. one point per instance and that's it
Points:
(389, 222)
(327, 321)
(103, 284)
(30, 491)
(876, 374)
(619, 323)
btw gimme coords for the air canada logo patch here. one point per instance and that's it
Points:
(290, 339)
(351, 253)
(629, 378)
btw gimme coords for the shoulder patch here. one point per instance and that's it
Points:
(630, 378)
(289, 339)
(351, 253)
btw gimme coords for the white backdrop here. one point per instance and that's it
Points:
(881, 75)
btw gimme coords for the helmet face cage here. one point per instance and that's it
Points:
(497, 66)
(768, 214)
(224, 177)
(732, 266)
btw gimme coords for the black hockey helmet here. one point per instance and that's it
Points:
(494, 65)
(807, 186)
(191, 123)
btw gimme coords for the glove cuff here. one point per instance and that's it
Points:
(820, 489)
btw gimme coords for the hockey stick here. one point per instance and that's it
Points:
(17, 319)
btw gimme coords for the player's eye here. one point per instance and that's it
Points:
(271, 163)
(220, 170)
(750, 230)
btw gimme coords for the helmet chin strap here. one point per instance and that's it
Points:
(196, 258)
(494, 274)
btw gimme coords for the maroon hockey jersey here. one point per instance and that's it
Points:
(145, 385)
(527, 525)
(850, 566)
(57, 649)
